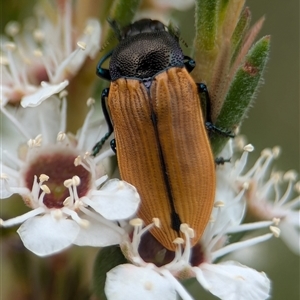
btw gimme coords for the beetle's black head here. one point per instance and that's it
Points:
(145, 49)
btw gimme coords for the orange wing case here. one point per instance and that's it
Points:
(168, 158)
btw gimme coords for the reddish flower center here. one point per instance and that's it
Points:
(152, 251)
(59, 167)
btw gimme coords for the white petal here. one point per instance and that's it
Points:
(45, 235)
(233, 281)
(45, 91)
(44, 119)
(97, 235)
(130, 282)
(116, 200)
(5, 185)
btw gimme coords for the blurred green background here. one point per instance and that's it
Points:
(274, 120)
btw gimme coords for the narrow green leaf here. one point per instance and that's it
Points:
(107, 259)
(222, 8)
(205, 50)
(242, 91)
(239, 33)
(206, 17)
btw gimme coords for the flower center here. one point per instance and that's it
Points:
(151, 251)
(59, 167)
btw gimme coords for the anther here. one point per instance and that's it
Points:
(45, 189)
(290, 175)
(61, 136)
(297, 187)
(191, 233)
(12, 28)
(30, 143)
(38, 140)
(91, 101)
(179, 241)
(276, 151)
(219, 204)
(275, 230)
(68, 183)
(77, 161)
(43, 177)
(249, 148)
(81, 45)
(38, 35)
(136, 222)
(277, 176)
(156, 222)
(57, 214)
(63, 94)
(86, 155)
(76, 180)
(246, 185)
(266, 152)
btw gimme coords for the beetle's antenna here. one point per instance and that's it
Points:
(175, 32)
(115, 27)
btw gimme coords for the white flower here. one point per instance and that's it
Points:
(266, 200)
(59, 182)
(226, 280)
(39, 61)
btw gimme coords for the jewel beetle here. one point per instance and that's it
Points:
(161, 141)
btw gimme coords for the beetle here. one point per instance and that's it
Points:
(161, 141)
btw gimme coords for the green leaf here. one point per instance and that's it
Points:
(205, 50)
(206, 25)
(107, 259)
(222, 8)
(242, 91)
(239, 33)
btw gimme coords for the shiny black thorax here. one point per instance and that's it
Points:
(145, 49)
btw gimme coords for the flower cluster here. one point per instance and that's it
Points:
(59, 181)
(40, 61)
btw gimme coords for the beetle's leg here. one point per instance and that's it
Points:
(202, 89)
(189, 63)
(113, 145)
(101, 72)
(99, 145)
(221, 160)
